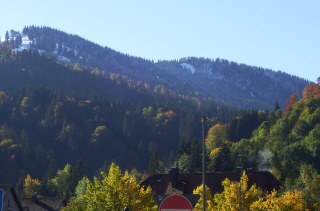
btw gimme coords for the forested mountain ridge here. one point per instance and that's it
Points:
(59, 112)
(235, 84)
(50, 110)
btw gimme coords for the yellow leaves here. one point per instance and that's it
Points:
(292, 201)
(147, 111)
(114, 192)
(6, 143)
(24, 102)
(238, 196)
(30, 186)
(213, 157)
(209, 199)
(99, 131)
(159, 116)
(82, 103)
(229, 199)
(171, 115)
(216, 136)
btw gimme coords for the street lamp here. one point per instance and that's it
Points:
(204, 202)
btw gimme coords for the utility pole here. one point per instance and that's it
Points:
(204, 202)
(241, 184)
(203, 168)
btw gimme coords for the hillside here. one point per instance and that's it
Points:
(50, 110)
(239, 85)
(65, 100)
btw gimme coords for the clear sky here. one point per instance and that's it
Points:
(276, 34)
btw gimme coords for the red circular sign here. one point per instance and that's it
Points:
(175, 203)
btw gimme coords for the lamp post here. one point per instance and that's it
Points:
(241, 184)
(204, 202)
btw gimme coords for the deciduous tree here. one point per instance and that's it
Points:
(291, 102)
(31, 186)
(114, 192)
(311, 90)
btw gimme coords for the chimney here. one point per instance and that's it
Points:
(174, 172)
(34, 197)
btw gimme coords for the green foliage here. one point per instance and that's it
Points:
(243, 126)
(308, 182)
(62, 181)
(136, 174)
(292, 140)
(189, 158)
(81, 187)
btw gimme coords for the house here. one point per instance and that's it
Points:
(12, 202)
(36, 203)
(10, 199)
(175, 183)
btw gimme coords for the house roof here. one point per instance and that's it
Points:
(187, 182)
(44, 203)
(10, 188)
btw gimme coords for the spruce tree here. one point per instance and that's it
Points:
(154, 164)
(7, 37)
(78, 172)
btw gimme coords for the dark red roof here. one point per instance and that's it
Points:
(187, 182)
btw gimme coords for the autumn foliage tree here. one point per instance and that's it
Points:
(216, 136)
(292, 201)
(291, 102)
(210, 205)
(31, 186)
(311, 90)
(239, 196)
(114, 192)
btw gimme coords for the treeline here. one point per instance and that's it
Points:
(13, 39)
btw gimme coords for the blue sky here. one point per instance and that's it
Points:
(280, 35)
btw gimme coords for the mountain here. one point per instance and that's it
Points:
(52, 110)
(64, 99)
(217, 80)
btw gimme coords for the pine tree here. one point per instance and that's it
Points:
(7, 37)
(47, 187)
(19, 186)
(195, 156)
(78, 172)
(154, 164)
(276, 106)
